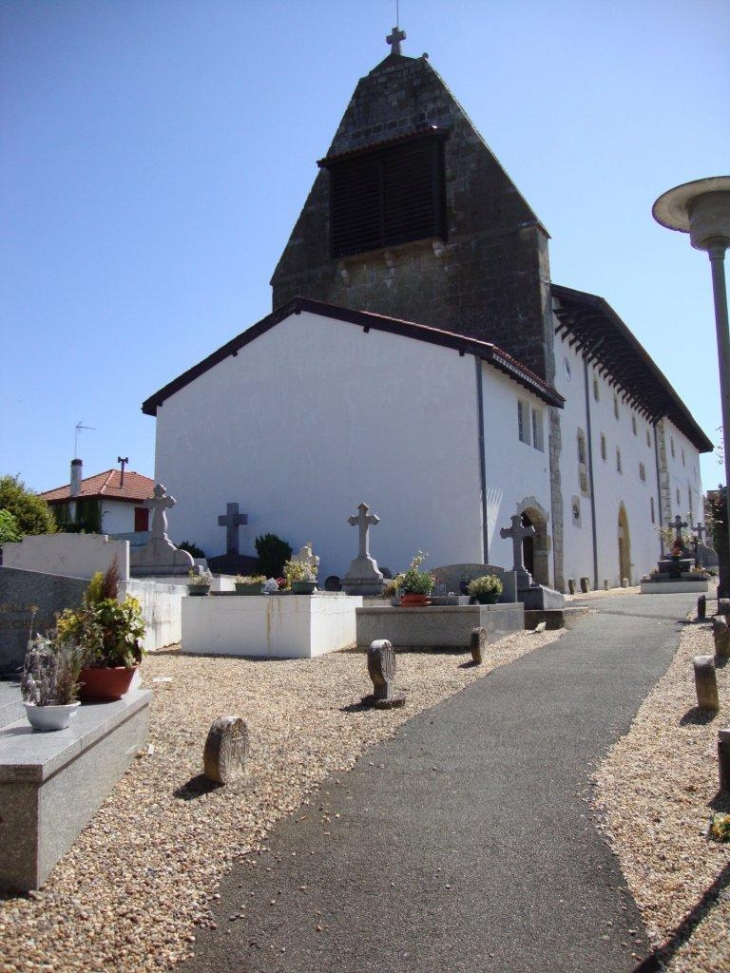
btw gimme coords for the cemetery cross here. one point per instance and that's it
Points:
(678, 524)
(363, 522)
(232, 520)
(517, 532)
(158, 504)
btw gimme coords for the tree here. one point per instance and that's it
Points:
(9, 532)
(31, 512)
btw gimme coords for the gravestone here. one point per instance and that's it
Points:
(233, 562)
(706, 683)
(701, 608)
(455, 578)
(721, 635)
(535, 597)
(159, 556)
(363, 576)
(517, 532)
(30, 598)
(225, 750)
(478, 645)
(306, 557)
(381, 669)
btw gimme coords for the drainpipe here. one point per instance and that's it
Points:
(589, 437)
(482, 460)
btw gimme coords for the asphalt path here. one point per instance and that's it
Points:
(466, 842)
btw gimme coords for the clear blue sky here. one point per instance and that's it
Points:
(156, 153)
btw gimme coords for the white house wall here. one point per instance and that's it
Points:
(117, 518)
(314, 417)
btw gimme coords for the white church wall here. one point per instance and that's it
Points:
(577, 530)
(685, 484)
(618, 436)
(515, 469)
(314, 417)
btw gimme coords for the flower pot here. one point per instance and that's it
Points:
(248, 589)
(303, 587)
(487, 599)
(105, 684)
(50, 717)
(198, 589)
(414, 601)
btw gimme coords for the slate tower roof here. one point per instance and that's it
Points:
(412, 216)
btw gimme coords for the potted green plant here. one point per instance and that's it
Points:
(486, 589)
(50, 683)
(415, 585)
(249, 584)
(109, 633)
(199, 582)
(301, 578)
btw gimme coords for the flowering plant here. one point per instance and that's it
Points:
(203, 577)
(299, 571)
(51, 672)
(249, 579)
(413, 581)
(487, 586)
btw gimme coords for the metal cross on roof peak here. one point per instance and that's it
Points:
(394, 38)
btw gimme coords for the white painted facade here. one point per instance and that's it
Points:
(116, 517)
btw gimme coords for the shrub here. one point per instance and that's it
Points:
(192, 549)
(272, 552)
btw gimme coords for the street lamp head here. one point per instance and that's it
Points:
(700, 208)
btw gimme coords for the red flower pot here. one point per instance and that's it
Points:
(414, 601)
(104, 685)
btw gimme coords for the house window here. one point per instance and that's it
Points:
(618, 461)
(603, 447)
(642, 472)
(523, 421)
(389, 195)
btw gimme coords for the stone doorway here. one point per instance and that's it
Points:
(624, 545)
(536, 549)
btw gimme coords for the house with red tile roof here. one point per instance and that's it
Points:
(111, 502)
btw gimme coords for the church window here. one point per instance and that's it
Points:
(618, 460)
(575, 509)
(642, 472)
(596, 392)
(615, 405)
(679, 498)
(633, 424)
(582, 464)
(389, 195)
(648, 437)
(537, 436)
(566, 363)
(603, 447)
(682, 455)
(651, 508)
(671, 445)
(523, 421)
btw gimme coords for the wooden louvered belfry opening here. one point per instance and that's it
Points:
(386, 195)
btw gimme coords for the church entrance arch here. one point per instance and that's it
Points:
(624, 545)
(536, 548)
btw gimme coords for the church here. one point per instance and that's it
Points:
(419, 359)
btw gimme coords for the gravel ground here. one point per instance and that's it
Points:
(655, 793)
(141, 876)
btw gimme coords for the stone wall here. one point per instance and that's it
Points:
(489, 280)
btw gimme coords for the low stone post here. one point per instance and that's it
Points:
(721, 634)
(478, 645)
(624, 582)
(723, 758)
(706, 683)
(381, 668)
(225, 750)
(571, 586)
(605, 584)
(701, 608)
(585, 584)
(723, 606)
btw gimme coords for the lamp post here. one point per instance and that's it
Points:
(702, 209)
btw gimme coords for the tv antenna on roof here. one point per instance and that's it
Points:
(79, 427)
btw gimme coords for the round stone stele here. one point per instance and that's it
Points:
(225, 750)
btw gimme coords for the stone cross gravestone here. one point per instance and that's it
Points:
(363, 576)
(307, 557)
(159, 556)
(381, 669)
(677, 524)
(232, 520)
(225, 750)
